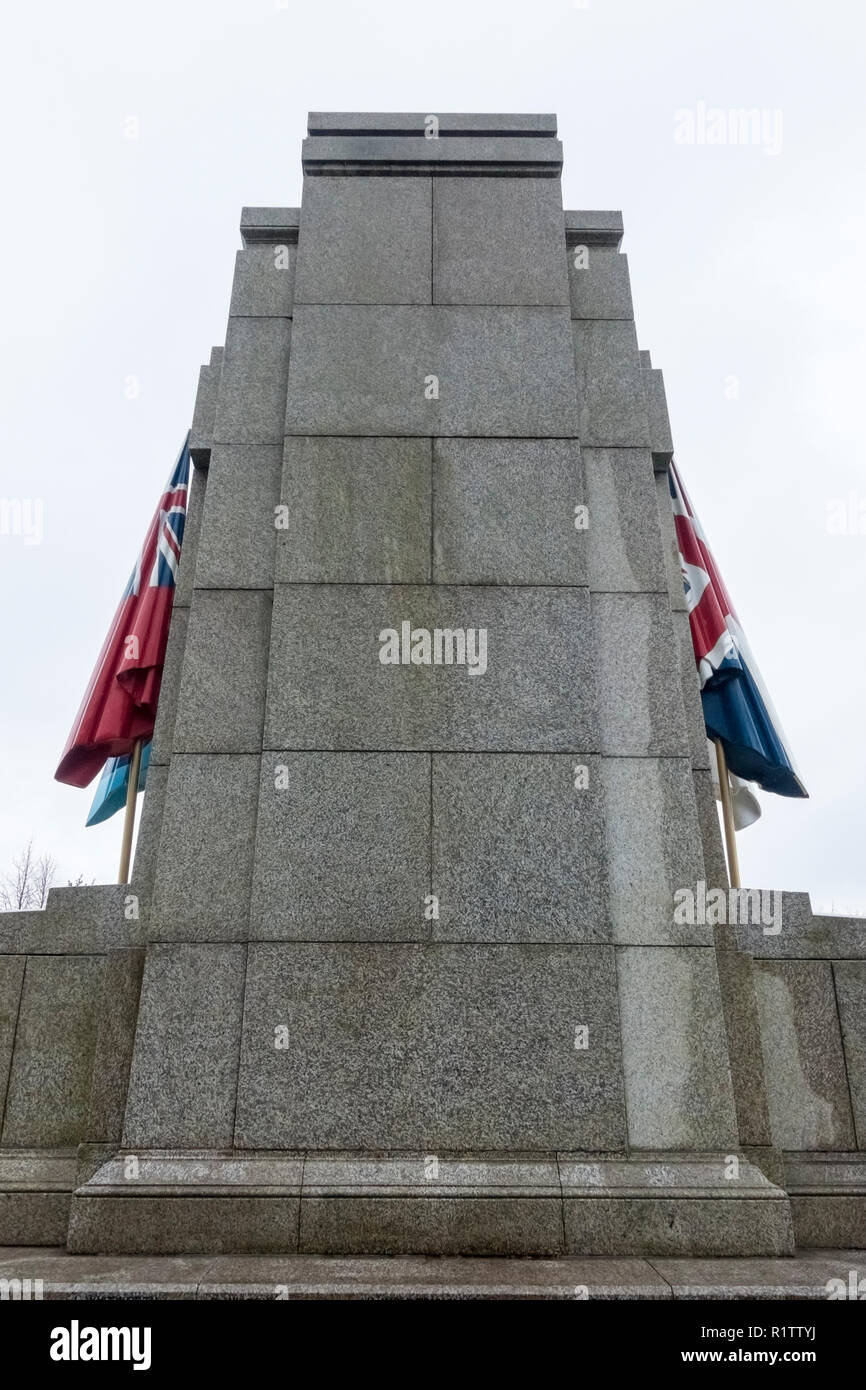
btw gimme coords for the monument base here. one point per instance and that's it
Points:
(415, 1204)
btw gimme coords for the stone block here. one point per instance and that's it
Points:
(342, 847)
(850, 980)
(76, 1278)
(498, 241)
(611, 405)
(675, 1057)
(504, 512)
(264, 281)
(359, 369)
(149, 831)
(599, 283)
(640, 697)
(518, 852)
(204, 412)
(804, 1065)
(365, 241)
(11, 980)
(358, 511)
(184, 1067)
(653, 849)
(236, 548)
(186, 565)
(415, 123)
(204, 868)
(751, 1278)
(225, 668)
(431, 1225)
(169, 690)
(623, 540)
(183, 1225)
(661, 442)
(594, 228)
(368, 155)
(534, 695)
(252, 394)
(118, 1012)
(669, 542)
(49, 1080)
(269, 225)
(690, 685)
(419, 1046)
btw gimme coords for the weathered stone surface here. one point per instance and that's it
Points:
(343, 848)
(653, 849)
(189, 551)
(358, 511)
(498, 241)
(669, 542)
(611, 405)
(742, 1025)
(504, 512)
(11, 980)
(252, 391)
(431, 1225)
(518, 851)
(269, 225)
(236, 547)
(535, 694)
(183, 1225)
(204, 412)
(184, 1070)
(225, 668)
(659, 425)
(365, 241)
(677, 1077)
(640, 700)
(78, 1277)
(264, 281)
(118, 1012)
(405, 1046)
(850, 980)
(594, 228)
(368, 155)
(46, 1101)
(169, 690)
(691, 689)
(204, 868)
(752, 1278)
(149, 831)
(623, 539)
(33, 1218)
(358, 369)
(663, 1226)
(599, 284)
(807, 1088)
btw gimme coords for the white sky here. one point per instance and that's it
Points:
(118, 261)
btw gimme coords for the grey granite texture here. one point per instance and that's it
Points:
(599, 283)
(743, 1029)
(184, 1067)
(149, 831)
(653, 849)
(431, 1225)
(850, 980)
(804, 1066)
(204, 412)
(328, 689)
(504, 512)
(189, 551)
(204, 866)
(169, 690)
(11, 981)
(238, 527)
(33, 1219)
(498, 241)
(594, 228)
(664, 1226)
(49, 1080)
(365, 369)
(117, 1014)
(342, 847)
(85, 1277)
(801, 1278)
(269, 225)
(450, 123)
(252, 391)
(264, 281)
(414, 155)
(691, 691)
(518, 851)
(669, 542)
(623, 540)
(182, 1225)
(661, 441)
(225, 669)
(675, 1059)
(611, 405)
(365, 241)
(358, 511)
(402, 1046)
(639, 694)
(76, 921)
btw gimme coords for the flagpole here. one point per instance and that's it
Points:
(129, 817)
(728, 816)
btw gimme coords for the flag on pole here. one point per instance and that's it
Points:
(119, 705)
(737, 709)
(113, 786)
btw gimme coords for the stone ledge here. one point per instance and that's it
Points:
(264, 1278)
(487, 156)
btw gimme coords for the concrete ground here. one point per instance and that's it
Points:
(808, 1275)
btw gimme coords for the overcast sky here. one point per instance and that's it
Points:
(747, 271)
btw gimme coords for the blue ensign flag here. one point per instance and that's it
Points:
(111, 791)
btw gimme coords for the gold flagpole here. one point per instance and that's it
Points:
(728, 816)
(129, 816)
